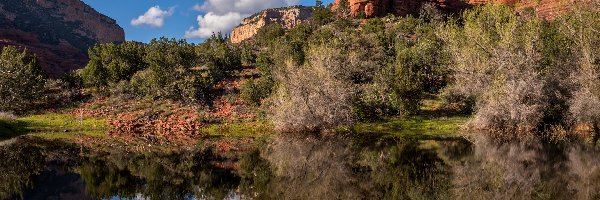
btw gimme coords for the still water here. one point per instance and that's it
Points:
(307, 167)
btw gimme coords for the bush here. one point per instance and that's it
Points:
(255, 90)
(112, 63)
(166, 56)
(144, 84)
(21, 80)
(322, 16)
(584, 105)
(216, 51)
(495, 56)
(420, 66)
(61, 92)
(311, 97)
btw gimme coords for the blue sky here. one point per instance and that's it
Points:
(189, 19)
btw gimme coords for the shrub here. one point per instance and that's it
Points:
(255, 90)
(496, 59)
(21, 80)
(311, 97)
(112, 63)
(322, 16)
(61, 92)
(269, 33)
(374, 25)
(582, 27)
(217, 51)
(420, 66)
(166, 56)
(144, 84)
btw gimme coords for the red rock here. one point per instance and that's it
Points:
(546, 9)
(59, 32)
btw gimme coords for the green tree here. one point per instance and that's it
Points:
(21, 80)
(322, 16)
(219, 57)
(172, 62)
(111, 63)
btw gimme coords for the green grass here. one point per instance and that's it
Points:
(247, 129)
(417, 126)
(59, 122)
(52, 126)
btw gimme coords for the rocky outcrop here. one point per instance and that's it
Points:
(545, 9)
(288, 18)
(59, 32)
(378, 8)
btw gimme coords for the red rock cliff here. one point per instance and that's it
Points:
(59, 32)
(546, 9)
(378, 8)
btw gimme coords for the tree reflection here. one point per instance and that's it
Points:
(341, 167)
(156, 176)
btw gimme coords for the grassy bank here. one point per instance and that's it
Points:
(242, 129)
(52, 125)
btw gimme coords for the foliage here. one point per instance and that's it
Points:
(219, 56)
(496, 56)
(322, 15)
(312, 97)
(164, 68)
(111, 63)
(21, 80)
(420, 66)
(255, 90)
(527, 75)
(269, 33)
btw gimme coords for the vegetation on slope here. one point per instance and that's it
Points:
(518, 76)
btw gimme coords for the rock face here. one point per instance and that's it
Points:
(59, 32)
(546, 9)
(378, 8)
(288, 17)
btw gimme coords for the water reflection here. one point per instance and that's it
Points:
(338, 167)
(527, 170)
(308, 167)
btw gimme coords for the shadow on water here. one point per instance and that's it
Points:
(308, 167)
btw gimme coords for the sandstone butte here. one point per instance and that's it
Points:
(288, 17)
(59, 32)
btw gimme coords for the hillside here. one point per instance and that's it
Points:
(59, 32)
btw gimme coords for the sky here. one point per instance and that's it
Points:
(192, 20)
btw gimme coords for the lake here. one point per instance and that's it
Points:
(306, 166)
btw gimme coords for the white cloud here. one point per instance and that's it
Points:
(213, 23)
(154, 17)
(224, 15)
